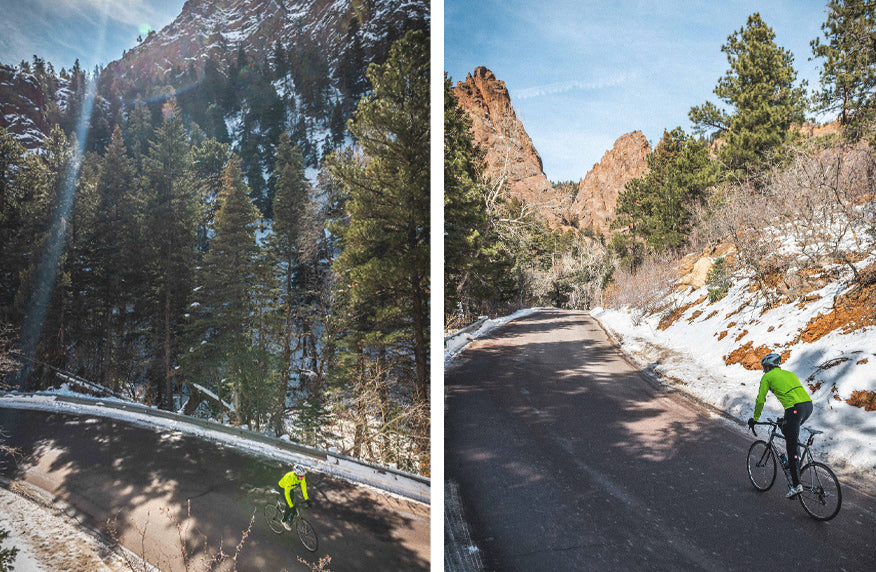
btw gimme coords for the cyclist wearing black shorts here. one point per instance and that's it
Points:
(798, 407)
(294, 478)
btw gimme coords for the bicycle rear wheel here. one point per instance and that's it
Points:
(306, 534)
(821, 497)
(274, 518)
(761, 465)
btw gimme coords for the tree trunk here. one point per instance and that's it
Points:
(168, 374)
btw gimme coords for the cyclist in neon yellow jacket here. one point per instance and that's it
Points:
(798, 407)
(290, 480)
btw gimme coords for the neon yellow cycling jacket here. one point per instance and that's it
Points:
(289, 481)
(784, 385)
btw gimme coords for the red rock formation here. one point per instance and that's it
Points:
(510, 154)
(597, 194)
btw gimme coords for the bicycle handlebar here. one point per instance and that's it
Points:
(767, 422)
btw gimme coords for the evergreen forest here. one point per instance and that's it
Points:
(236, 251)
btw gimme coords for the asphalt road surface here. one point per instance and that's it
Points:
(566, 458)
(150, 481)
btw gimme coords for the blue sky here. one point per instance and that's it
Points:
(582, 73)
(95, 31)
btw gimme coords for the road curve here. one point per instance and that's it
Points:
(566, 458)
(152, 480)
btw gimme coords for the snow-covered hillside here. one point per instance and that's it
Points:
(712, 350)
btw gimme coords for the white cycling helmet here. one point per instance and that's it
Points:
(771, 360)
(299, 471)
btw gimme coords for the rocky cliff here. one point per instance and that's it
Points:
(22, 107)
(218, 30)
(510, 154)
(598, 191)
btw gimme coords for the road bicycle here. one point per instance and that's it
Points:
(274, 512)
(821, 497)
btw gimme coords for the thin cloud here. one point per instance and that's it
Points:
(575, 85)
(130, 12)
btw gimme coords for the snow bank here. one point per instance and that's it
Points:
(689, 355)
(455, 343)
(38, 532)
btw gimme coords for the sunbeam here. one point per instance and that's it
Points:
(46, 274)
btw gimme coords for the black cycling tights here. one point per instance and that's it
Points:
(794, 418)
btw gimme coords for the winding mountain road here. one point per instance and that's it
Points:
(567, 458)
(149, 481)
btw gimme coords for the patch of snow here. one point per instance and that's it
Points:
(455, 344)
(39, 532)
(689, 355)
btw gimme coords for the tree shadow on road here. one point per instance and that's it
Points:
(557, 442)
(141, 478)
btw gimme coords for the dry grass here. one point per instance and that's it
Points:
(645, 289)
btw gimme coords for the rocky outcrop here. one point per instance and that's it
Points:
(693, 269)
(510, 155)
(219, 30)
(598, 191)
(22, 107)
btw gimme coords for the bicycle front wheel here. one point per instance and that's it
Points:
(761, 465)
(274, 518)
(306, 534)
(821, 497)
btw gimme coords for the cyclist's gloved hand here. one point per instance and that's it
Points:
(751, 424)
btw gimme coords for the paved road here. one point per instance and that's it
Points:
(106, 468)
(567, 459)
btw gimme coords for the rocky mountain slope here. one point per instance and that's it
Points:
(217, 30)
(512, 157)
(598, 191)
(243, 71)
(300, 62)
(22, 106)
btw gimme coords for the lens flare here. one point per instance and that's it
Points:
(46, 272)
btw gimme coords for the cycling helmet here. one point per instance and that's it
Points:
(299, 471)
(771, 361)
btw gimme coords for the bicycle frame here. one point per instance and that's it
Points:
(821, 496)
(801, 458)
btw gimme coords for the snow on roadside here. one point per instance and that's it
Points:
(38, 533)
(47, 402)
(689, 355)
(454, 344)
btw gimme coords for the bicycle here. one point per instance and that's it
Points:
(306, 534)
(821, 497)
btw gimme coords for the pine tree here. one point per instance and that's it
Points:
(171, 239)
(760, 89)
(224, 313)
(16, 189)
(44, 289)
(656, 207)
(209, 160)
(475, 265)
(115, 250)
(387, 240)
(383, 270)
(848, 75)
(285, 254)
